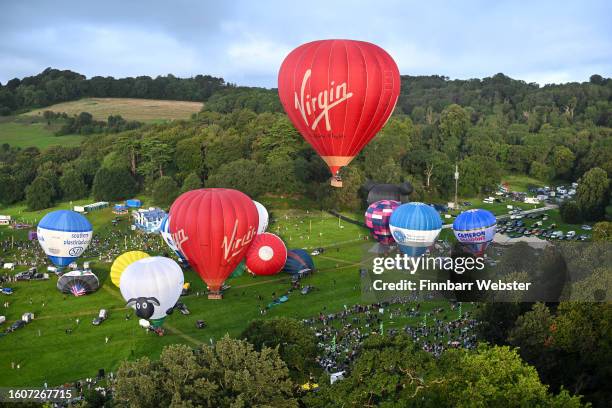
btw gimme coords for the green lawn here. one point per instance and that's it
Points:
(24, 134)
(520, 182)
(57, 357)
(554, 217)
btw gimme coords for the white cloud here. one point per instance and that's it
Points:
(257, 54)
(245, 42)
(412, 59)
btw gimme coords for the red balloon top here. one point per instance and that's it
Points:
(338, 94)
(213, 227)
(266, 255)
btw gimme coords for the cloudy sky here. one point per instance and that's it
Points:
(245, 41)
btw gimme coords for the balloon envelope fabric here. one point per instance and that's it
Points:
(475, 229)
(415, 227)
(377, 220)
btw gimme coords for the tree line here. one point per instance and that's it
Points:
(84, 123)
(273, 358)
(53, 86)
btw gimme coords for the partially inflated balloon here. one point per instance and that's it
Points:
(152, 286)
(164, 231)
(298, 261)
(64, 235)
(263, 217)
(123, 261)
(415, 227)
(266, 255)
(338, 94)
(213, 227)
(475, 229)
(78, 283)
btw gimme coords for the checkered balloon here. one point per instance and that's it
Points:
(377, 220)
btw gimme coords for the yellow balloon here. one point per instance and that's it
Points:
(122, 262)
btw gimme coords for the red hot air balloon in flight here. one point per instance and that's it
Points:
(338, 94)
(213, 228)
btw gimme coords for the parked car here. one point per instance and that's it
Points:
(586, 227)
(200, 324)
(7, 291)
(102, 316)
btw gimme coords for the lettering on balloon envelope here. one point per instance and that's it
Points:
(326, 100)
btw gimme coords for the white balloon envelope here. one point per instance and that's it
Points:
(152, 286)
(263, 217)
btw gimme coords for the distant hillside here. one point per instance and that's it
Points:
(142, 110)
(54, 86)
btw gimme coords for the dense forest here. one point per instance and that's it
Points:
(242, 139)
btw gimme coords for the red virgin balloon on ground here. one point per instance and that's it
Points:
(213, 228)
(266, 255)
(338, 94)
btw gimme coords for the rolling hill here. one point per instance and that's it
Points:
(142, 110)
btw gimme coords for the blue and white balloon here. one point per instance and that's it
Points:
(164, 230)
(415, 227)
(475, 229)
(64, 235)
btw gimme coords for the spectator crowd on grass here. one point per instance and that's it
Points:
(340, 335)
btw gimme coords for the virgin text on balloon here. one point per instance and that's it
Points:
(326, 100)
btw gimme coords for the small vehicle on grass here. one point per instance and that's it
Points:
(102, 316)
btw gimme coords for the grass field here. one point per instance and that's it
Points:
(143, 110)
(521, 182)
(23, 133)
(46, 353)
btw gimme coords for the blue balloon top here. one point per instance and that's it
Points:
(65, 220)
(474, 219)
(298, 259)
(416, 216)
